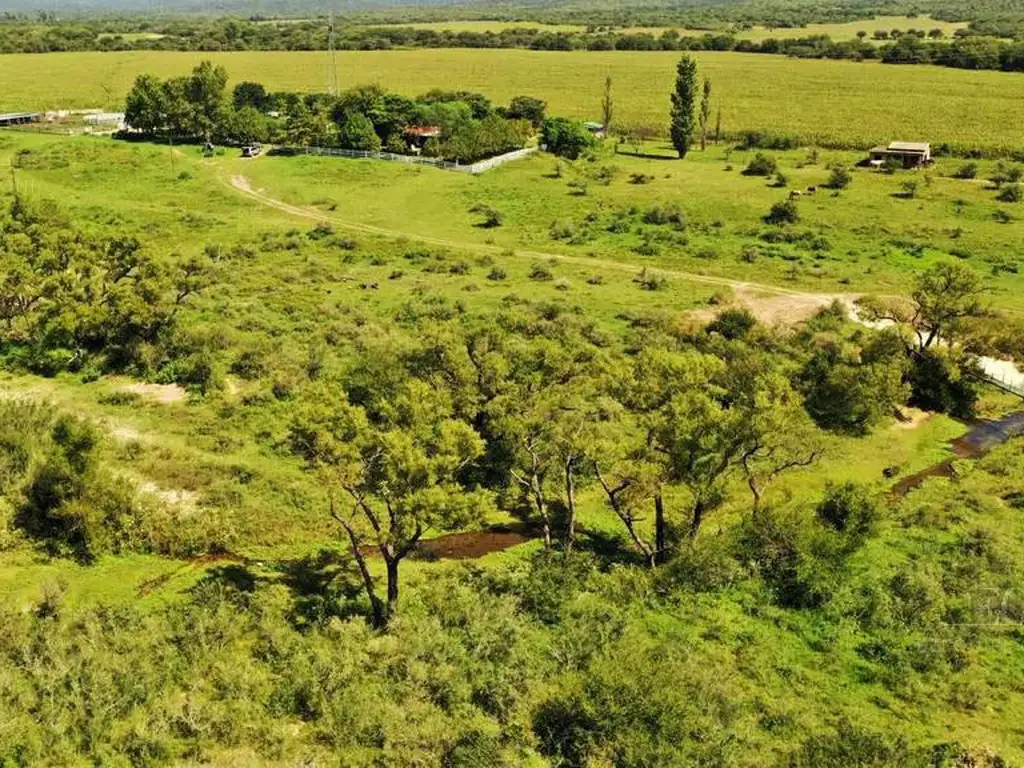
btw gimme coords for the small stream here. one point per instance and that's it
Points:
(979, 440)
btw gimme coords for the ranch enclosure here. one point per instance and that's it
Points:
(831, 103)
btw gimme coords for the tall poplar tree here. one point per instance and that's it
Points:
(683, 102)
(705, 113)
(607, 106)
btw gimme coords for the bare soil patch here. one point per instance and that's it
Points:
(166, 394)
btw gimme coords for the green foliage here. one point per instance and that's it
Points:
(566, 138)
(527, 108)
(941, 382)
(1011, 193)
(761, 165)
(849, 509)
(66, 297)
(840, 177)
(783, 212)
(490, 216)
(192, 107)
(733, 324)
(967, 171)
(684, 101)
(357, 133)
(851, 389)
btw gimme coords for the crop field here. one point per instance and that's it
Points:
(824, 102)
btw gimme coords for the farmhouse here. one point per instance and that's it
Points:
(909, 154)
(417, 135)
(18, 118)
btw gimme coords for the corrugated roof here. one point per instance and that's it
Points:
(909, 146)
(18, 115)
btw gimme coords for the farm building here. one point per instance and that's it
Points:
(18, 118)
(417, 135)
(909, 154)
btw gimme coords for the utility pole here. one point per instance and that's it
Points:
(332, 80)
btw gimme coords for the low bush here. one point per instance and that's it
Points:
(966, 171)
(783, 212)
(839, 177)
(665, 214)
(761, 165)
(1011, 193)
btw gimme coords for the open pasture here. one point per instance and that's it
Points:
(824, 102)
(868, 238)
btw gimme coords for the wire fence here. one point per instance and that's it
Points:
(1013, 385)
(472, 168)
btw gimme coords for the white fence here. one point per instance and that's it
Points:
(474, 168)
(1003, 374)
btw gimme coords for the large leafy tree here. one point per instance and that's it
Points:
(684, 99)
(357, 133)
(145, 106)
(394, 478)
(709, 418)
(64, 296)
(945, 298)
(204, 89)
(945, 302)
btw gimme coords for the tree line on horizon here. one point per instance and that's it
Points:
(970, 49)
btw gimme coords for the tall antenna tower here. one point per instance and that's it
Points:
(332, 76)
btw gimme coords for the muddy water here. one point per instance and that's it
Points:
(981, 438)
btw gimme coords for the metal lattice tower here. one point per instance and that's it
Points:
(332, 75)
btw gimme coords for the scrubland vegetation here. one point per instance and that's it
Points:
(602, 458)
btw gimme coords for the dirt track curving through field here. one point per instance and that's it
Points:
(770, 304)
(782, 304)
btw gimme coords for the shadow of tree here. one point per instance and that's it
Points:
(325, 584)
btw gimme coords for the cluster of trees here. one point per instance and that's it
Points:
(534, 403)
(365, 118)
(974, 52)
(70, 302)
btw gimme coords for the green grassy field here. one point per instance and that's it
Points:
(829, 102)
(871, 238)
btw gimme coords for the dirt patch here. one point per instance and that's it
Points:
(913, 418)
(473, 544)
(178, 498)
(166, 394)
(774, 309)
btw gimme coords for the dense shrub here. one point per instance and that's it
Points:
(839, 177)
(941, 383)
(566, 138)
(665, 214)
(733, 323)
(761, 165)
(1011, 193)
(967, 171)
(783, 212)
